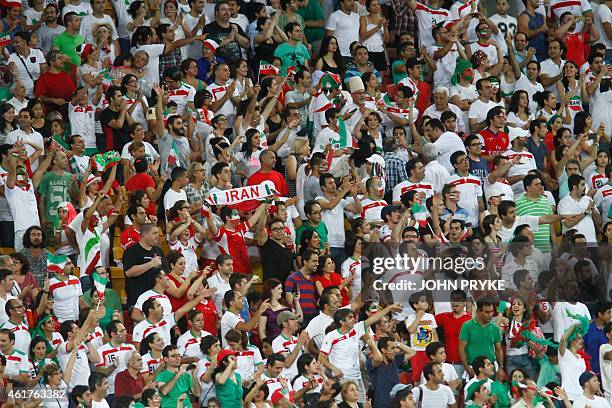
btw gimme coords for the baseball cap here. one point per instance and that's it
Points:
(376, 159)
(494, 191)
(399, 387)
(517, 132)
(284, 316)
(585, 377)
(222, 354)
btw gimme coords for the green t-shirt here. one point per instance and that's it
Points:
(56, 190)
(313, 11)
(67, 44)
(480, 340)
(183, 385)
(321, 230)
(291, 55)
(549, 372)
(398, 76)
(111, 303)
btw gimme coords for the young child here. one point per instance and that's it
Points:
(422, 329)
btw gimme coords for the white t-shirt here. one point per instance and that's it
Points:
(172, 197)
(189, 345)
(526, 164)
(489, 50)
(81, 370)
(445, 65)
(23, 206)
(569, 206)
(602, 14)
(450, 374)
(561, 321)
(428, 18)
(524, 84)
(33, 137)
(89, 21)
(569, 366)
(595, 402)
(32, 62)
(66, 296)
(150, 152)
(182, 96)
(345, 28)
(83, 122)
(442, 397)
(407, 185)
(316, 328)
(479, 110)
(506, 234)
(505, 23)
(551, 69)
(606, 368)
(229, 321)
(222, 286)
(227, 109)
(447, 144)
(154, 51)
(334, 220)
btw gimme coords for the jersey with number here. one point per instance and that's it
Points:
(110, 354)
(150, 363)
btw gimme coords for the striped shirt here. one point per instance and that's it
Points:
(307, 292)
(526, 206)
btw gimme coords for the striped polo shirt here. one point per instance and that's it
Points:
(526, 206)
(307, 291)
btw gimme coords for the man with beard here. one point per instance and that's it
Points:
(174, 148)
(328, 303)
(583, 206)
(55, 187)
(35, 252)
(50, 28)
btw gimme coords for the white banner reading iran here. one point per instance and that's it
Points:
(238, 195)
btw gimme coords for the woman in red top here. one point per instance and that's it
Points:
(326, 276)
(178, 286)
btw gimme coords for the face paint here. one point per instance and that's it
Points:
(468, 74)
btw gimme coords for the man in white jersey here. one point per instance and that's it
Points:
(113, 354)
(18, 324)
(158, 292)
(287, 344)
(156, 322)
(416, 175)
(340, 349)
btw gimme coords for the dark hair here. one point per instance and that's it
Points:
(25, 263)
(574, 180)
(411, 165)
(5, 107)
(337, 57)
(580, 122)
(479, 363)
(514, 102)
(133, 12)
(27, 243)
(504, 206)
(95, 380)
(428, 369)
(145, 344)
(529, 179)
(433, 347)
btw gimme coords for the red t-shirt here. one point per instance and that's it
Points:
(142, 181)
(274, 176)
(209, 312)
(60, 85)
(494, 143)
(177, 303)
(129, 237)
(233, 243)
(334, 280)
(577, 47)
(451, 327)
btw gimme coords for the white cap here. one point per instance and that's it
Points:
(494, 191)
(356, 84)
(517, 132)
(376, 159)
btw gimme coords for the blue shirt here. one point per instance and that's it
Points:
(593, 339)
(479, 168)
(539, 41)
(383, 378)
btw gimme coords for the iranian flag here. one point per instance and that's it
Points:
(344, 139)
(5, 39)
(56, 263)
(173, 156)
(103, 161)
(100, 283)
(265, 68)
(92, 250)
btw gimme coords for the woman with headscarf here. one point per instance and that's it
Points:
(65, 214)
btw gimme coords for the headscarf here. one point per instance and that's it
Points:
(552, 119)
(460, 68)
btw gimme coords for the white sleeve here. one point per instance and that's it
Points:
(331, 23)
(138, 332)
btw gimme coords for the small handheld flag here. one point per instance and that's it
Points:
(56, 263)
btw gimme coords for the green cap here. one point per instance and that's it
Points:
(474, 387)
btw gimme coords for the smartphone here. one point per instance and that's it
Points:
(191, 367)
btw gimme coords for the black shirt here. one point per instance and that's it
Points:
(137, 285)
(115, 138)
(277, 261)
(230, 52)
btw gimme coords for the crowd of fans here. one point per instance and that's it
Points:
(196, 199)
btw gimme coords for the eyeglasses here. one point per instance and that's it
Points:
(475, 144)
